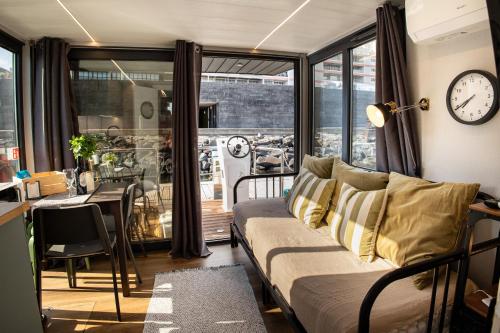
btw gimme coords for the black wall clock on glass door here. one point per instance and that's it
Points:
(472, 97)
(147, 110)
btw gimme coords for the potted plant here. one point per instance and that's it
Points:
(83, 147)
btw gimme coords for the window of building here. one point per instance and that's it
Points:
(338, 102)
(11, 147)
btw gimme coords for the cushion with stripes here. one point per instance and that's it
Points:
(310, 197)
(357, 218)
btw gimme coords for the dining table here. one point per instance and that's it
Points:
(109, 197)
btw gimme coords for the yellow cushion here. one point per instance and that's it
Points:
(359, 178)
(320, 166)
(356, 219)
(310, 197)
(422, 219)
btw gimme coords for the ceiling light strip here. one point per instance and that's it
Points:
(282, 23)
(121, 70)
(74, 19)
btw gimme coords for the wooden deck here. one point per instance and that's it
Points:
(215, 221)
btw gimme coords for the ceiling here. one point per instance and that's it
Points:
(222, 23)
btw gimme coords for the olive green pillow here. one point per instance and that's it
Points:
(361, 179)
(320, 166)
(310, 197)
(422, 220)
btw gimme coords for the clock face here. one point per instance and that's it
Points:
(147, 110)
(472, 97)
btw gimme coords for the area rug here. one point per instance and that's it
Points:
(215, 299)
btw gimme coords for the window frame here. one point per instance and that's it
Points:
(296, 87)
(167, 54)
(343, 46)
(15, 46)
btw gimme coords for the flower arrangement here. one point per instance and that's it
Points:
(109, 158)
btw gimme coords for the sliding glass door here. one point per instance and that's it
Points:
(249, 101)
(127, 106)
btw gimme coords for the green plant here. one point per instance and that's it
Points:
(83, 146)
(109, 158)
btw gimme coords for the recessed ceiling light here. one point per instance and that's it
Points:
(239, 64)
(282, 23)
(77, 22)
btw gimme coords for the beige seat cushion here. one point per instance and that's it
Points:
(320, 166)
(325, 283)
(422, 219)
(259, 211)
(357, 177)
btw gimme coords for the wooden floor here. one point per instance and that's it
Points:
(215, 221)
(91, 307)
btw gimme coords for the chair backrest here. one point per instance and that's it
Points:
(68, 225)
(128, 207)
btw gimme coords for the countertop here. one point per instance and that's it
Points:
(10, 210)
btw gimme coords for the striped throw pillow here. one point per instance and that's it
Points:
(310, 197)
(357, 218)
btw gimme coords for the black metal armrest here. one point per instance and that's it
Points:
(271, 175)
(407, 271)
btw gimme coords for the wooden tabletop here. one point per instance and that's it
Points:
(108, 192)
(481, 207)
(10, 210)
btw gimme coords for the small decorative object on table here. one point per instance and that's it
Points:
(83, 147)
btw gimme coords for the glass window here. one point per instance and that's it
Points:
(9, 144)
(363, 93)
(327, 106)
(127, 106)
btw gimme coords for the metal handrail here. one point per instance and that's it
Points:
(407, 271)
(235, 188)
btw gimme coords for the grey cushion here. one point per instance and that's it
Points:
(79, 250)
(261, 208)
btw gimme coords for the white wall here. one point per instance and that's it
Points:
(452, 151)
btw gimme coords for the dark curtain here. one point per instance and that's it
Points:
(187, 239)
(54, 113)
(397, 142)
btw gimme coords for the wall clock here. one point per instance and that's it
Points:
(472, 97)
(147, 110)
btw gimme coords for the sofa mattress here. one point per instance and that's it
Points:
(323, 282)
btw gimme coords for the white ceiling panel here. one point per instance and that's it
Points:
(158, 23)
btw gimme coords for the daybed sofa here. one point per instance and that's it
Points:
(323, 287)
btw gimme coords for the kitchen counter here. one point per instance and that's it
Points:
(10, 210)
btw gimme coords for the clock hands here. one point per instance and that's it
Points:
(465, 102)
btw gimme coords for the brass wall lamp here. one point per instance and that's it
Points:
(379, 113)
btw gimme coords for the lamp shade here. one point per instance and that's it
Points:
(378, 113)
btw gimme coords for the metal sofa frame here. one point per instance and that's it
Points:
(455, 260)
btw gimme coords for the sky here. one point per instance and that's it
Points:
(5, 59)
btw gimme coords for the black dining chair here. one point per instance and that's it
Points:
(71, 233)
(128, 219)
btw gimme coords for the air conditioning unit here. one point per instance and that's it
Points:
(433, 21)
